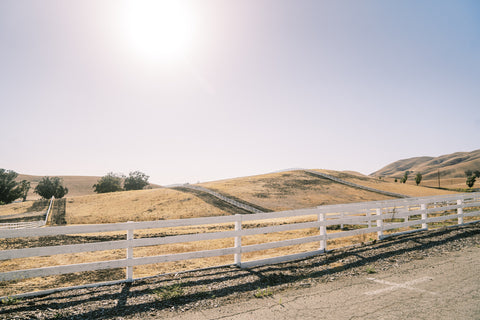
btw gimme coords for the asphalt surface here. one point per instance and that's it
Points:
(440, 287)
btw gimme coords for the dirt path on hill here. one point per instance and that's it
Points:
(428, 275)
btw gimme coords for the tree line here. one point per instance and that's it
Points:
(113, 182)
(471, 175)
(48, 187)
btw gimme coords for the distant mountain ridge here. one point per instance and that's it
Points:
(451, 165)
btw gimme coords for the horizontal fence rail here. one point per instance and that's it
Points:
(385, 218)
(28, 224)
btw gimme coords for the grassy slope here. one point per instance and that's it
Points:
(409, 189)
(450, 166)
(298, 189)
(276, 191)
(141, 205)
(77, 185)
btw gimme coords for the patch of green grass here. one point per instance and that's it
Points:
(370, 270)
(172, 292)
(10, 300)
(262, 293)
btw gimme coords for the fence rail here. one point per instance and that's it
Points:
(379, 217)
(29, 224)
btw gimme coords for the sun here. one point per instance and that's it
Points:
(159, 30)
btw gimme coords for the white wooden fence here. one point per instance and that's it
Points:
(29, 224)
(368, 217)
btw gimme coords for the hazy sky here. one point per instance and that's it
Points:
(189, 91)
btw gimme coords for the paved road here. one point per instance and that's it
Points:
(445, 287)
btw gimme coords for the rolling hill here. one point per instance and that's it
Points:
(77, 185)
(294, 189)
(451, 167)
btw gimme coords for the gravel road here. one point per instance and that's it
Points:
(428, 275)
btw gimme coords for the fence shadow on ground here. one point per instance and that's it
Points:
(218, 285)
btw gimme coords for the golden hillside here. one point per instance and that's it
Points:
(448, 166)
(299, 189)
(272, 192)
(77, 185)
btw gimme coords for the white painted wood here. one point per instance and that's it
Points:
(460, 211)
(56, 270)
(129, 272)
(296, 256)
(359, 213)
(182, 256)
(323, 232)
(378, 213)
(283, 227)
(62, 249)
(423, 208)
(279, 244)
(280, 214)
(238, 240)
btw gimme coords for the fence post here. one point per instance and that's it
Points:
(238, 240)
(323, 232)
(130, 253)
(48, 210)
(369, 218)
(378, 212)
(423, 207)
(460, 211)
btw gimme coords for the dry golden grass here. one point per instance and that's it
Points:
(36, 284)
(408, 188)
(15, 208)
(298, 189)
(140, 205)
(278, 191)
(77, 185)
(449, 166)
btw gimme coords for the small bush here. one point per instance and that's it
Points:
(262, 293)
(170, 292)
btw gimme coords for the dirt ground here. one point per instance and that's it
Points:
(425, 275)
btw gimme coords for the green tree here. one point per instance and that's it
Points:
(418, 178)
(51, 187)
(468, 173)
(471, 181)
(405, 177)
(10, 190)
(136, 181)
(25, 185)
(111, 182)
(477, 173)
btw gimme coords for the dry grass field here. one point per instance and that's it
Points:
(408, 189)
(77, 185)
(277, 191)
(448, 166)
(140, 205)
(298, 189)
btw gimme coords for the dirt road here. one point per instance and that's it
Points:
(446, 287)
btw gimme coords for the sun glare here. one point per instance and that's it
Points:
(159, 30)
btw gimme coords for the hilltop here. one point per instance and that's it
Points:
(77, 185)
(450, 168)
(278, 191)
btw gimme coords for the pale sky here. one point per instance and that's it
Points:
(189, 91)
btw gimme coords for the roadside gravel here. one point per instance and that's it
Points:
(169, 296)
